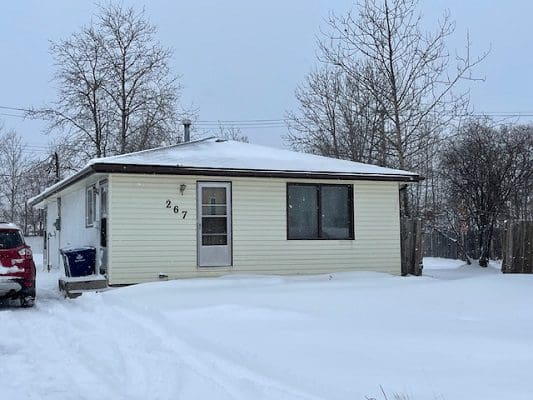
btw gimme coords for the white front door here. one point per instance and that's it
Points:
(214, 224)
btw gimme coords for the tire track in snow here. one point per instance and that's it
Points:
(134, 365)
(144, 364)
(106, 347)
(176, 350)
(52, 350)
(229, 375)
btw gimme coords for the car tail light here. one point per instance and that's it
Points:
(25, 252)
(28, 282)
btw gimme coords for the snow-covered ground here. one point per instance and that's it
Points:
(458, 333)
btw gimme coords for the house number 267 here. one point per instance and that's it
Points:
(175, 209)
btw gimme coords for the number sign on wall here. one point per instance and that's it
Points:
(176, 209)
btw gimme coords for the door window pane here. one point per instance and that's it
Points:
(302, 212)
(214, 210)
(214, 240)
(335, 215)
(214, 225)
(213, 195)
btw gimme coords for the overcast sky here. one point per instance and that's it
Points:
(241, 60)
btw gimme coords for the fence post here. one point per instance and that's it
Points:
(411, 246)
(518, 247)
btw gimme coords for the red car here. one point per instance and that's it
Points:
(17, 269)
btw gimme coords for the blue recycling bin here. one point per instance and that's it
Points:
(79, 261)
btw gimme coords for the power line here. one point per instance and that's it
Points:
(240, 120)
(514, 112)
(240, 123)
(13, 115)
(210, 129)
(240, 126)
(281, 122)
(502, 114)
(15, 108)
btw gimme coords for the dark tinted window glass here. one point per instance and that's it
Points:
(302, 212)
(214, 240)
(319, 211)
(214, 225)
(10, 239)
(335, 215)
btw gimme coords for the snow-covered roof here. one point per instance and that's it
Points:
(214, 156)
(214, 153)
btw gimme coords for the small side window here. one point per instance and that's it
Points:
(90, 206)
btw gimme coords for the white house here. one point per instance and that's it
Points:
(214, 207)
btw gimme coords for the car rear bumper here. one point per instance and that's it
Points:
(10, 287)
(16, 287)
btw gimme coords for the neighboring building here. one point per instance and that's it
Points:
(213, 207)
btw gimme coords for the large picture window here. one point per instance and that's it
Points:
(316, 211)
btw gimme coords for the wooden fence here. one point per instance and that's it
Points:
(443, 243)
(518, 247)
(439, 244)
(411, 246)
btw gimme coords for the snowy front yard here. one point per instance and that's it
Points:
(458, 333)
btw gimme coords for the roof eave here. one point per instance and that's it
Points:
(179, 170)
(182, 170)
(34, 201)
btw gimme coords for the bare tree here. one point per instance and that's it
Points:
(65, 158)
(143, 91)
(336, 117)
(12, 169)
(82, 108)
(22, 177)
(408, 74)
(231, 133)
(116, 92)
(38, 175)
(315, 127)
(485, 168)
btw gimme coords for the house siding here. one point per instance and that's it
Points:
(73, 232)
(148, 239)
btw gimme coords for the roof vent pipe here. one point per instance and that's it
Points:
(186, 130)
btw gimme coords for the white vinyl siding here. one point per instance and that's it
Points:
(74, 231)
(148, 239)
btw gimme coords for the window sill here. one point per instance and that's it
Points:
(314, 239)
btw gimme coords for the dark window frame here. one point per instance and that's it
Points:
(351, 228)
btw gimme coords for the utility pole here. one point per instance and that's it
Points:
(56, 167)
